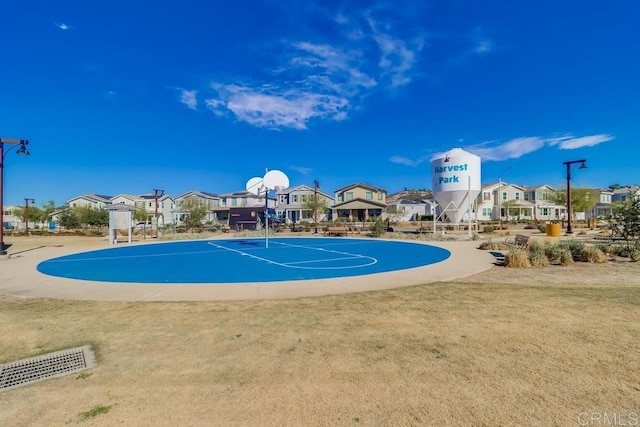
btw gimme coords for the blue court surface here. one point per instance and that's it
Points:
(243, 260)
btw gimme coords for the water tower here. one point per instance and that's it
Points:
(455, 182)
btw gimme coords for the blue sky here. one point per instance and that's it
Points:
(126, 97)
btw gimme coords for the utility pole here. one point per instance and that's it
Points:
(26, 215)
(315, 205)
(156, 194)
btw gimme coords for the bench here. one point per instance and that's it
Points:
(336, 231)
(520, 240)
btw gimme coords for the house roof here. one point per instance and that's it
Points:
(361, 185)
(304, 188)
(202, 194)
(93, 198)
(359, 204)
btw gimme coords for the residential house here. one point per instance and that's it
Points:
(404, 210)
(95, 201)
(11, 220)
(503, 200)
(621, 194)
(147, 202)
(293, 204)
(543, 197)
(359, 202)
(209, 200)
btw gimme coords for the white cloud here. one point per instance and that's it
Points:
(188, 98)
(516, 148)
(512, 149)
(61, 25)
(398, 56)
(302, 170)
(274, 107)
(571, 142)
(401, 160)
(319, 80)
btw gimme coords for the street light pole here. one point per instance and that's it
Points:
(26, 215)
(156, 194)
(315, 205)
(569, 214)
(500, 197)
(22, 143)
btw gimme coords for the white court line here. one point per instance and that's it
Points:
(291, 264)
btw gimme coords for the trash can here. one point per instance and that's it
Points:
(554, 230)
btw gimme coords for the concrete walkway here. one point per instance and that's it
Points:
(19, 277)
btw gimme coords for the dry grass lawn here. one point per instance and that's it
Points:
(501, 348)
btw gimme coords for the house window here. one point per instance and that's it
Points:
(282, 198)
(234, 202)
(504, 195)
(369, 195)
(486, 196)
(340, 198)
(486, 211)
(517, 195)
(224, 201)
(349, 195)
(304, 198)
(379, 196)
(526, 196)
(295, 198)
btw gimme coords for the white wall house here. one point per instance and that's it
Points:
(166, 205)
(404, 210)
(94, 201)
(10, 220)
(292, 204)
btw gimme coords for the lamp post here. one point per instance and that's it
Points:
(26, 215)
(569, 214)
(500, 197)
(156, 194)
(315, 206)
(22, 144)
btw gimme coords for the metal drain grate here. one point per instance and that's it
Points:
(33, 369)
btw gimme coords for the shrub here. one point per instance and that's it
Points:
(488, 229)
(378, 228)
(490, 245)
(542, 228)
(517, 258)
(573, 246)
(593, 254)
(539, 259)
(566, 258)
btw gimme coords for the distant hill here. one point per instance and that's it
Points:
(416, 195)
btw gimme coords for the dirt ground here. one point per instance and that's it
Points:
(550, 346)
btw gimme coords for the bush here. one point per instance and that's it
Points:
(517, 258)
(542, 228)
(566, 258)
(378, 228)
(539, 259)
(490, 245)
(593, 254)
(573, 246)
(488, 229)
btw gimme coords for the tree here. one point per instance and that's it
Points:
(141, 215)
(47, 210)
(625, 219)
(68, 219)
(320, 208)
(194, 212)
(92, 217)
(582, 199)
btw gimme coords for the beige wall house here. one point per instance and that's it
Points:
(293, 204)
(209, 200)
(359, 202)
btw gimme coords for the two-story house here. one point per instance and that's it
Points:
(147, 202)
(95, 201)
(505, 201)
(210, 201)
(359, 202)
(403, 210)
(296, 204)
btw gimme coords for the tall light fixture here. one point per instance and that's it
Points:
(157, 193)
(500, 197)
(21, 144)
(583, 165)
(26, 214)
